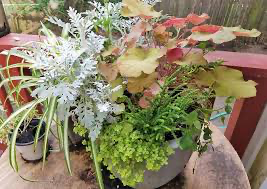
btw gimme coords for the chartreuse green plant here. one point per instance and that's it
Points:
(121, 71)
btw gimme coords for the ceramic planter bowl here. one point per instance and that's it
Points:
(176, 164)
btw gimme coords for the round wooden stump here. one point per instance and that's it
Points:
(218, 168)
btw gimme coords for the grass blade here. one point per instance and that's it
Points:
(51, 110)
(37, 134)
(97, 166)
(16, 113)
(18, 53)
(19, 65)
(14, 78)
(66, 141)
(60, 135)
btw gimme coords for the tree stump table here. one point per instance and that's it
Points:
(218, 168)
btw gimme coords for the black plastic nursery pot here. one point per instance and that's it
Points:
(25, 141)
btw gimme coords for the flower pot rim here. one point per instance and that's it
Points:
(30, 143)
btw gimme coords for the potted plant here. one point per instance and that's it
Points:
(122, 72)
(28, 138)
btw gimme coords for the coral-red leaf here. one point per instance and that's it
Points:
(206, 28)
(174, 54)
(176, 22)
(196, 20)
(150, 93)
(136, 32)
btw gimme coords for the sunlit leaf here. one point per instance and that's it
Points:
(109, 71)
(133, 8)
(175, 22)
(138, 60)
(196, 20)
(193, 58)
(119, 92)
(227, 82)
(238, 31)
(206, 28)
(219, 37)
(136, 85)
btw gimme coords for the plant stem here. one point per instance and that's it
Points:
(97, 166)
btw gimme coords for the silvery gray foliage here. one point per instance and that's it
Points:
(97, 14)
(110, 11)
(69, 66)
(69, 72)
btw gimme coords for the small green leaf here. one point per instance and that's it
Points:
(228, 109)
(223, 119)
(203, 45)
(197, 124)
(229, 99)
(118, 93)
(191, 119)
(186, 142)
(207, 133)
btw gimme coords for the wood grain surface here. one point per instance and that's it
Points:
(219, 168)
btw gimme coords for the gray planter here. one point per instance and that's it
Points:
(27, 150)
(74, 138)
(176, 164)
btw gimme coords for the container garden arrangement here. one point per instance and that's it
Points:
(135, 83)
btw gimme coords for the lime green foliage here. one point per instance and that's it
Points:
(227, 82)
(128, 153)
(80, 130)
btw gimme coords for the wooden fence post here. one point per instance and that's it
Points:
(256, 13)
(4, 28)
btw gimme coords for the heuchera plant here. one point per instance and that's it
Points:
(134, 71)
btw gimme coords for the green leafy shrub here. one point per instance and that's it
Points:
(140, 141)
(128, 153)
